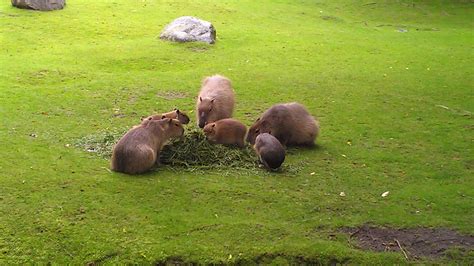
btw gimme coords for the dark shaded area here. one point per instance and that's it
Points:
(412, 242)
(262, 259)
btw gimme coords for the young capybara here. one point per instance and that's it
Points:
(269, 150)
(226, 131)
(290, 123)
(215, 100)
(175, 114)
(137, 151)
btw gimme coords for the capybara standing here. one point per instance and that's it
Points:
(215, 100)
(269, 150)
(175, 114)
(226, 131)
(137, 151)
(290, 123)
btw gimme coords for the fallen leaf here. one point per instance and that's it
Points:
(312, 173)
(385, 194)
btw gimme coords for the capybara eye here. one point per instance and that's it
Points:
(257, 130)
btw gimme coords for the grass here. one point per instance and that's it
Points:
(391, 82)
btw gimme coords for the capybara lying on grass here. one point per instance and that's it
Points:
(290, 123)
(137, 151)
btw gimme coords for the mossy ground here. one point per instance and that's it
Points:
(391, 82)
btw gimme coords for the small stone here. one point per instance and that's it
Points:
(385, 194)
(342, 194)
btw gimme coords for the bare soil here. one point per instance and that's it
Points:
(412, 242)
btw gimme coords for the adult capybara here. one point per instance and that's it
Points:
(175, 114)
(226, 131)
(290, 123)
(137, 151)
(215, 100)
(269, 150)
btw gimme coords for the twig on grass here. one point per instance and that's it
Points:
(400, 246)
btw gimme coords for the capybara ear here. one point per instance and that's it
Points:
(170, 120)
(212, 101)
(258, 119)
(177, 110)
(269, 132)
(142, 118)
(200, 99)
(163, 116)
(213, 125)
(150, 118)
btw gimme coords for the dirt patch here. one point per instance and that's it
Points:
(412, 242)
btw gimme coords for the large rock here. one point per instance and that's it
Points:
(189, 29)
(43, 5)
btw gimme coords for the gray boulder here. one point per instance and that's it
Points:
(43, 5)
(189, 29)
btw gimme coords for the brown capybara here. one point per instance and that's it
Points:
(175, 114)
(226, 131)
(215, 100)
(290, 123)
(137, 151)
(269, 150)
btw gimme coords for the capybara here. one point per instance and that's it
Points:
(290, 123)
(137, 151)
(175, 114)
(226, 131)
(215, 100)
(269, 150)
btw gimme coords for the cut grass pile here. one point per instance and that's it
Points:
(195, 152)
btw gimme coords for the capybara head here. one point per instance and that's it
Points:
(176, 114)
(260, 126)
(204, 108)
(209, 129)
(172, 127)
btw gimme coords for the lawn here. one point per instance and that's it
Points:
(390, 81)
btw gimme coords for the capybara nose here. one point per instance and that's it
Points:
(201, 124)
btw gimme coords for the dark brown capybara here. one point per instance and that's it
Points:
(137, 151)
(215, 100)
(290, 123)
(269, 150)
(226, 131)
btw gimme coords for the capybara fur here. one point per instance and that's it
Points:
(175, 114)
(137, 151)
(290, 123)
(226, 131)
(215, 100)
(269, 150)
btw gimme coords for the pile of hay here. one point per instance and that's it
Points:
(192, 151)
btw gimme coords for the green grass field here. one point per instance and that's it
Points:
(390, 81)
